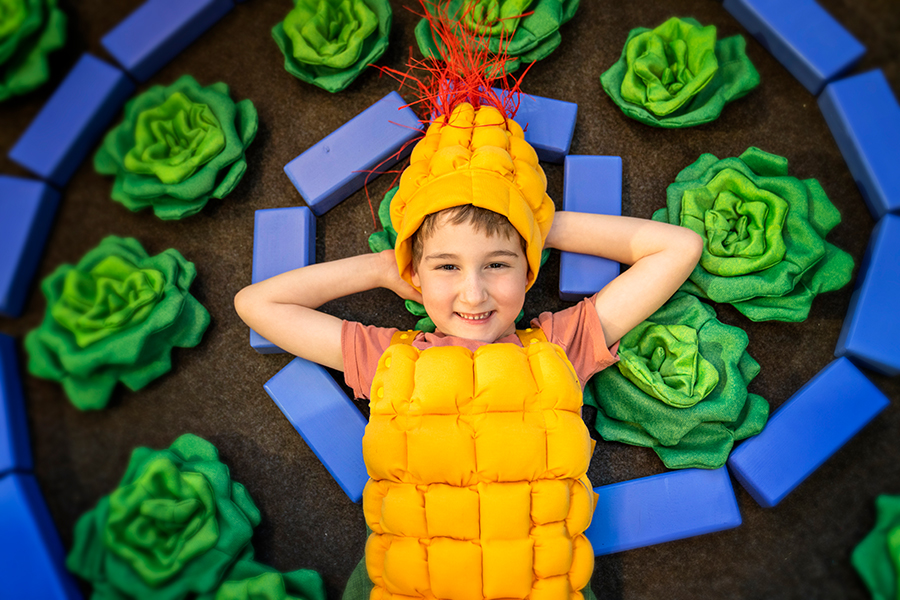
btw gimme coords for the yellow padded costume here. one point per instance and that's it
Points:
(477, 461)
(478, 466)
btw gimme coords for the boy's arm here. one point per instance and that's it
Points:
(661, 258)
(282, 309)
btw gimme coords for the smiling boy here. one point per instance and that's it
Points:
(475, 447)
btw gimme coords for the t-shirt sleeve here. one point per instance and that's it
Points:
(361, 347)
(577, 330)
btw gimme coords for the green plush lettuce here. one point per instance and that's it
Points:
(877, 557)
(177, 147)
(764, 235)
(172, 529)
(680, 387)
(525, 39)
(29, 31)
(387, 239)
(678, 75)
(250, 580)
(115, 316)
(328, 43)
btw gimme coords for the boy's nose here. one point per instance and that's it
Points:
(473, 291)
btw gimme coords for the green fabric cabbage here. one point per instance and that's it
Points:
(678, 75)
(764, 235)
(172, 529)
(680, 387)
(526, 39)
(177, 147)
(328, 43)
(250, 580)
(29, 31)
(877, 557)
(115, 316)
(387, 239)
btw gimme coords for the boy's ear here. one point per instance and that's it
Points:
(415, 278)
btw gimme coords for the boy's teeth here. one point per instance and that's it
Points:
(478, 317)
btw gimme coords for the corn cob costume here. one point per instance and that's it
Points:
(477, 461)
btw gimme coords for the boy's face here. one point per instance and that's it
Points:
(473, 285)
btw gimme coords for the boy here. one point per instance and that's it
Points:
(475, 447)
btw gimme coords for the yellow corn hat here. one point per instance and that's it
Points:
(479, 157)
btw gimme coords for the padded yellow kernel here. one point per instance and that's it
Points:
(435, 368)
(568, 444)
(582, 563)
(495, 160)
(376, 546)
(452, 511)
(515, 130)
(503, 378)
(488, 135)
(549, 501)
(508, 569)
(488, 115)
(449, 160)
(397, 381)
(510, 446)
(455, 569)
(405, 567)
(581, 506)
(442, 450)
(557, 386)
(552, 550)
(505, 510)
(403, 511)
(520, 150)
(427, 146)
(384, 448)
(553, 588)
(373, 494)
(530, 180)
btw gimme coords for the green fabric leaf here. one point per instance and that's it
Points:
(172, 529)
(533, 38)
(328, 43)
(764, 249)
(29, 31)
(877, 557)
(115, 316)
(678, 75)
(250, 580)
(683, 434)
(177, 147)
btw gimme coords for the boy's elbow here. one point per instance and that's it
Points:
(693, 246)
(242, 302)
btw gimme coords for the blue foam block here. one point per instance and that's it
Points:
(27, 208)
(592, 184)
(62, 134)
(15, 453)
(811, 426)
(802, 36)
(872, 326)
(32, 561)
(158, 30)
(662, 508)
(548, 123)
(338, 165)
(284, 239)
(327, 420)
(864, 118)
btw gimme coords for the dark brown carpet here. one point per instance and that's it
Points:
(800, 549)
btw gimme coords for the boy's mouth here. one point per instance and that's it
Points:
(475, 316)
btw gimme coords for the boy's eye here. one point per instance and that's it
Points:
(446, 267)
(497, 265)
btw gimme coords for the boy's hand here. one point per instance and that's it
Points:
(391, 280)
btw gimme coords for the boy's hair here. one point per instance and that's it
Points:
(482, 221)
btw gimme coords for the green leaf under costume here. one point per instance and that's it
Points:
(328, 43)
(177, 147)
(764, 235)
(533, 37)
(877, 557)
(29, 31)
(172, 529)
(250, 580)
(678, 75)
(114, 317)
(682, 394)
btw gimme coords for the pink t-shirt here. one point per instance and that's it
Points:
(576, 330)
